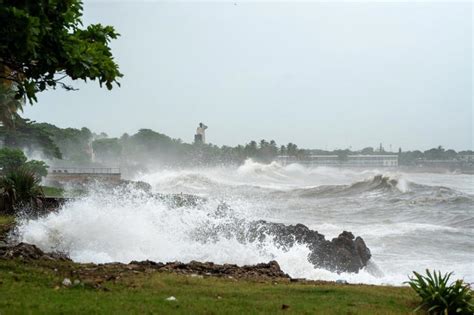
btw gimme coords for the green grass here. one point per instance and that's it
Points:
(36, 288)
(52, 191)
(60, 192)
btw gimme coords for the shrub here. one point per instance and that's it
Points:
(38, 168)
(20, 188)
(440, 298)
(12, 159)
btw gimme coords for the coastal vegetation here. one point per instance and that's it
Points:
(53, 286)
(56, 286)
(438, 296)
(37, 287)
(44, 42)
(20, 180)
(147, 148)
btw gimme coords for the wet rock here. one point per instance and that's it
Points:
(269, 270)
(147, 263)
(341, 254)
(29, 252)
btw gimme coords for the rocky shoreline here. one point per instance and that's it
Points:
(98, 274)
(344, 253)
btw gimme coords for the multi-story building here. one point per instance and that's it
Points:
(347, 161)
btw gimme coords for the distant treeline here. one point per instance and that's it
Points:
(147, 148)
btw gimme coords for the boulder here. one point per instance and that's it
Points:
(342, 254)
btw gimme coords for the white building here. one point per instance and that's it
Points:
(349, 161)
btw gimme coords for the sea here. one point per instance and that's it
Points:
(410, 221)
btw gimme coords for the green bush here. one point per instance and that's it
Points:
(20, 188)
(439, 297)
(12, 159)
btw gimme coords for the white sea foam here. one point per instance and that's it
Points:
(403, 235)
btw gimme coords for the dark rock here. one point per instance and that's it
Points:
(29, 252)
(341, 254)
(269, 270)
(147, 263)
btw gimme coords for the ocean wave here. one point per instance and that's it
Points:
(378, 183)
(385, 208)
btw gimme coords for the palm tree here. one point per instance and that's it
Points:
(20, 187)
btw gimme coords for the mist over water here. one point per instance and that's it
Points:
(409, 221)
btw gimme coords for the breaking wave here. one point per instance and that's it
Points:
(405, 219)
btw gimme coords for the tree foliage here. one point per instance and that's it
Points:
(20, 179)
(30, 136)
(73, 144)
(43, 41)
(20, 188)
(12, 159)
(106, 149)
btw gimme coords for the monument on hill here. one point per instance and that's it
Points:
(200, 136)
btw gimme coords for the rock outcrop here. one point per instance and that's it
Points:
(29, 252)
(110, 271)
(344, 253)
(269, 270)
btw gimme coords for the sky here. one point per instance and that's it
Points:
(319, 74)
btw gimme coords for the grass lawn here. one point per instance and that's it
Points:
(35, 287)
(52, 191)
(60, 192)
(27, 287)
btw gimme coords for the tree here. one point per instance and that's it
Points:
(74, 144)
(251, 149)
(342, 155)
(367, 151)
(20, 187)
(42, 42)
(273, 149)
(9, 106)
(292, 149)
(435, 153)
(11, 159)
(107, 149)
(37, 168)
(30, 136)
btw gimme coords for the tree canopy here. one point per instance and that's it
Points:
(11, 160)
(43, 42)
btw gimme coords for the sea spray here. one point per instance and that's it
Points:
(406, 225)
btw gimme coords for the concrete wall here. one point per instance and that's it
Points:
(81, 178)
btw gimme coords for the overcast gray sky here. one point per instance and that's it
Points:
(322, 75)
